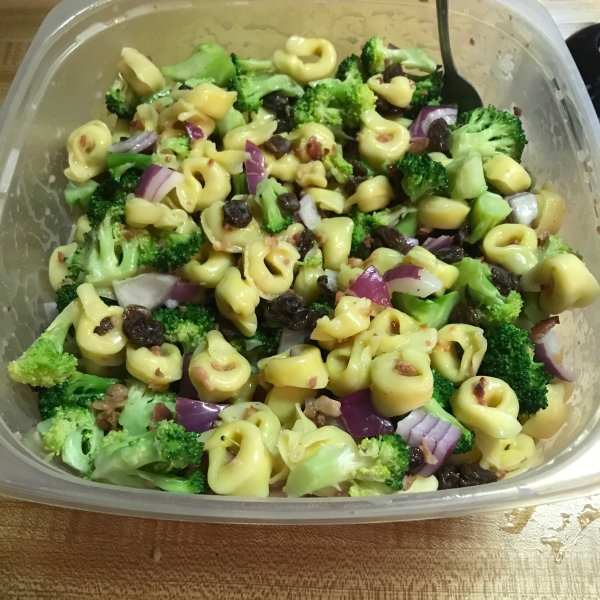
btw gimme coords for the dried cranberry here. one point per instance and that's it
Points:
(278, 146)
(140, 328)
(439, 136)
(504, 281)
(392, 71)
(462, 313)
(237, 214)
(461, 235)
(305, 243)
(450, 255)
(288, 202)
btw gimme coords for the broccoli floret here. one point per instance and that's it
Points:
(488, 131)
(252, 88)
(487, 211)
(334, 103)
(376, 55)
(433, 312)
(121, 100)
(187, 324)
(334, 163)
(207, 62)
(467, 438)
(474, 285)
(179, 145)
(176, 249)
(108, 198)
(79, 391)
(192, 484)
(443, 389)
(73, 435)
(350, 69)
(65, 294)
(423, 176)
(428, 92)
(232, 120)
(166, 451)
(466, 178)
(553, 245)
(251, 66)
(112, 257)
(147, 246)
(366, 224)
(509, 356)
(80, 192)
(141, 400)
(532, 309)
(44, 363)
(258, 346)
(267, 192)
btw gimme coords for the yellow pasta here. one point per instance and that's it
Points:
(423, 340)
(305, 283)
(140, 72)
(231, 160)
(246, 392)
(207, 98)
(311, 174)
(551, 211)
(258, 414)
(347, 275)
(283, 400)
(194, 195)
(546, 423)
(334, 236)
(208, 267)
(237, 300)
(58, 266)
(158, 366)
(384, 259)
(373, 194)
(505, 454)
(140, 213)
(232, 239)
(300, 366)
(506, 174)
(380, 140)
(351, 316)
(182, 111)
(564, 283)
(289, 61)
(445, 359)
(442, 213)
(489, 405)
(303, 134)
(88, 148)
(447, 274)
(398, 92)
(83, 227)
(146, 117)
(257, 132)
(422, 484)
(332, 200)
(513, 247)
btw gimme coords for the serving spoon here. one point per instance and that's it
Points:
(457, 90)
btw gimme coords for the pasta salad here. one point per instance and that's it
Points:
(303, 278)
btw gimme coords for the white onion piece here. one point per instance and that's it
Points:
(525, 208)
(167, 185)
(290, 338)
(412, 280)
(251, 344)
(170, 303)
(549, 352)
(149, 289)
(308, 212)
(332, 279)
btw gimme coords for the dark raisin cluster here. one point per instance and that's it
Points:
(236, 214)
(289, 310)
(463, 475)
(140, 328)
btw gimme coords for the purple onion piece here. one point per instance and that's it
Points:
(434, 244)
(156, 182)
(419, 128)
(549, 352)
(136, 143)
(409, 279)
(360, 418)
(186, 387)
(255, 166)
(370, 284)
(194, 132)
(195, 415)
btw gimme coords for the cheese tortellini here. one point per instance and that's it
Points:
(380, 140)
(58, 267)
(237, 300)
(373, 194)
(300, 366)
(447, 274)
(546, 423)
(88, 149)
(157, 366)
(194, 195)
(442, 213)
(208, 267)
(505, 454)
(140, 213)
(398, 92)
(232, 239)
(351, 316)
(513, 247)
(335, 238)
(289, 61)
(140, 72)
(283, 400)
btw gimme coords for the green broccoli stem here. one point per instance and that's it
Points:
(141, 161)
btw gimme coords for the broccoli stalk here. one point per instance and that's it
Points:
(509, 356)
(121, 100)
(488, 131)
(73, 435)
(44, 363)
(376, 55)
(487, 211)
(409, 223)
(187, 324)
(553, 245)
(78, 391)
(335, 164)
(251, 66)
(423, 176)
(466, 177)
(267, 192)
(232, 120)
(433, 312)
(366, 224)
(141, 400)
(80, 192)
(474, 284)
(207, 62)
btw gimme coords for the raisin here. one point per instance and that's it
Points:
(305, 243)
(450, 255)
(461, 235)
(462, 313)
(392, 71)
(104, 327)
(141, 329)
(439, 136)
(281, 310)
(388, 237)
(276, 101)
(237, 214)
(383, 107)
(352, 183)
(504, 281)
(416, 459)
(351, 151)
(284, 125)
(278, 146)
(463, 475)
(447, 478)
(327, 291)
(288, 202)
(227, 328)
(184, 86)
(358, 168)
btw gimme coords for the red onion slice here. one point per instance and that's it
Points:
(255, 166)
(549, 352)
(184, 291)
(412, 280)
(308, 212)
(419, 128)
(136, 144)
(186, 387)
(370, 284)
(525, 208)
(360, 418)
(149, 289)
(156, 182)
(195, 415)
(434, 244)
(194, 132)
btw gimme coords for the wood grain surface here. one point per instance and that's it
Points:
(549, 552)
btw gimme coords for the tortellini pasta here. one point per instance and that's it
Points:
(83, 227)
(194, 195)
(399, 331)
(300, 366)
(157, 366)
(257, 132)
(400, 381)
(311, 174)
(352, 315)
(332, 200)
(258, 414)
(422, 484)
(140, 72)
(398, 92)
(289, 61)
(347, 275)
(305, 283)
(248, 473)
(269, 266)
(231, 239)
(447, 274)
(208, 99)
(231, 160)
(380, 140)
(546, 423)
(564, 283)
(181, 112)
(551, 211)
(505, 454)
(335, 239)
(445, 359)
(283, 400)
(140, 213)
(208, 267)
(301, 136)
(88, 148)
(506, 174)
(218, 371)
(237, 300)
(284, 168)
(513, 247)
(384, 259)
(58, 267)
(489, 405)
(442, 213)
(99, 332)
(373, 194)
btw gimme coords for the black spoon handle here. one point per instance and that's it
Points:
(444, 35)
(585, 48)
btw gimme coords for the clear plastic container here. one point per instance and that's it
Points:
(510, 49)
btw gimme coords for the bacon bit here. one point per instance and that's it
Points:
(320, 237)
(61, 257)
(405, 368)
(218, 367)
(286, 262)
(217, 423)
(309, 409)
(211, 162)
(429, 458)
(472, 41)
(320, 421)
(501, 474)
(394, 327)
(182, 309)
(128, 235)
(249, 411)
(159, 373)
(138, 124)
(314, 149)
(200, 374)
(156, 351)
(271, 242)
(355, 262)
(312, 383)
(83, 141)
(479, 392)
(298, 152)
(423, 231)
(419, 145)
(161, 412)
(384, 138)
(226, 226)
(158, 387)
(517, 111)
(328, 406)
(338, 296)
(167, 158)
(423, 326)
(542, 328)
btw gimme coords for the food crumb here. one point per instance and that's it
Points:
(156, 554)
(472, 41)
(517, 111)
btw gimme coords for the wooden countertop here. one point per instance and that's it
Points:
(549, 552)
